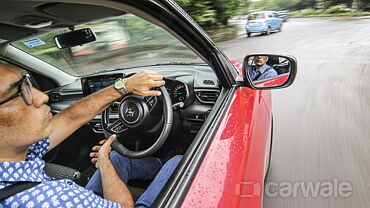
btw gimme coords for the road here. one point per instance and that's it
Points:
(321, 122)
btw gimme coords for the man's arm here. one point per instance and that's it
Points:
(114, 189)
(72, 118)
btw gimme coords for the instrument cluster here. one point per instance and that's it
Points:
(177, 90)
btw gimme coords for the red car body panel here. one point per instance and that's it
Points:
(274, 82)
(232, 172)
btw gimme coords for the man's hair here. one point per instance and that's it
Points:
(5, 63)
(2, 62)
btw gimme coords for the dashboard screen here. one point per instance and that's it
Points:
(96, 83)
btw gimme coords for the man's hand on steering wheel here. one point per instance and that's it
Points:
(141, 82)
(135, 112)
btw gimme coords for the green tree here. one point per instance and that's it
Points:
(282, 4)
(211, 13)
(225, 10)
(201, 11)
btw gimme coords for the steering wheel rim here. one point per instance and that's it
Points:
(167, 124)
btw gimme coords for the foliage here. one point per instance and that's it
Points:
(140, 30)
(336, 9)
(282, 4)
(333, 6)
(223, 33)
(308, 12)
(212, 13)
(204, 14)
(295, 13)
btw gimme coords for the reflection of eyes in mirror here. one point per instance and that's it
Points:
(267, 67)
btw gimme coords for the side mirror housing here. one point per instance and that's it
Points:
(269, 71)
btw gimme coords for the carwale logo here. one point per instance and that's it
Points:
(308, 189)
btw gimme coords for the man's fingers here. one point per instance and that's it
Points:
(151, 75)
(148, 92)
(94, 160)
(151, 93)
(156, 77)
(141, 82)
(102, 141)
(157, 83)
(93, 154)
(110, 140)
(96, 148)
(149, 72)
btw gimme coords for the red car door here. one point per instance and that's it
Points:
(232, 172)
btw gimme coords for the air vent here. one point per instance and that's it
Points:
(207, 96)
(208, 82)
(55, 97)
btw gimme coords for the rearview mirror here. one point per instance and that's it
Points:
(266, 71)
(74, 38)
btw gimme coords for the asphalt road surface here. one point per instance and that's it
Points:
(322, 121)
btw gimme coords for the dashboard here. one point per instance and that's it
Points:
(177, 90)
(193, 91)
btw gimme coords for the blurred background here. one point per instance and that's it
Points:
(215, 16)
(321, 122)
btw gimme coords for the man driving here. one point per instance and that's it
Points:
(260, 70)
(28, 130)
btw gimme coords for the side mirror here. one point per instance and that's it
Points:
(266, 71)
(74, 38)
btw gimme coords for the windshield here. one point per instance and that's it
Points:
(125, 41)
(257, 16)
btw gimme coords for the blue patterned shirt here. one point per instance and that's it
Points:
(49, 193)
(266, 72)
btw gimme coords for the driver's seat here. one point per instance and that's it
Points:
(63, 172)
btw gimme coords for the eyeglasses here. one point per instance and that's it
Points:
(24, 90)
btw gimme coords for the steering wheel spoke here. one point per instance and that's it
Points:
(151, 102)
(116, 103)
(117, 127)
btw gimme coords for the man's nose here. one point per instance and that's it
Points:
(39, 98)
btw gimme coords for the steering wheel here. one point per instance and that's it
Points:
(134, 113)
